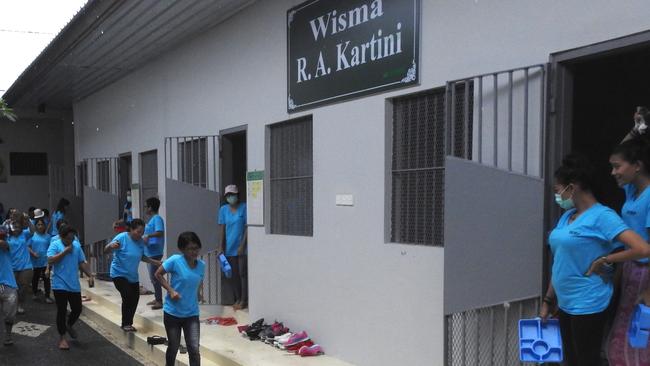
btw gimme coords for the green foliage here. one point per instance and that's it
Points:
(6, 112)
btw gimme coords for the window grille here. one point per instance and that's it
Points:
(104, 175)
(192, 160)
(418, 159)
(488, 336)
(291, 177)
(28, 163)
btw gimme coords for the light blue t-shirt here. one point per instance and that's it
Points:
(7, 277)
(155, 246)
(56, 217)
(235, 227)
(20, 258)
(575, 246)
(184, 280)
(636, 212)
(127, 257)
(39, 244)
(65, 273)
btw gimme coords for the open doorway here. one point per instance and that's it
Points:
(606, 90)
(148, 177)
(233, 166)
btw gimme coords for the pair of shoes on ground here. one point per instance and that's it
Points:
(268, 334)
(155, 305)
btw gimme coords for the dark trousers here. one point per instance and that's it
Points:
(190, 327)
(239, 280)
(157, 289)
(130, 293)
(582, 337)
(63, 298)
(38, 274)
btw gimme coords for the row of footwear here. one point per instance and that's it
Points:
(279, 336)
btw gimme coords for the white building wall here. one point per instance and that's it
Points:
(366, 301)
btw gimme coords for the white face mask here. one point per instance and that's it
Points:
(128, 198)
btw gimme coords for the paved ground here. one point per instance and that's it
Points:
(90, 349)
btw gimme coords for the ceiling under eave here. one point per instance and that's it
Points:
(108, 39)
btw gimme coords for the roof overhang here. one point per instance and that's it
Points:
(106, 40)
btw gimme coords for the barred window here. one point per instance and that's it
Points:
(291, 179)
(192, 161)
(417, 166)
(104, 175)
(28, 163)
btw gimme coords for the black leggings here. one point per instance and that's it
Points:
(38, 274)
(63, 298)
(582, 337)
(130, 293)
(239, 279)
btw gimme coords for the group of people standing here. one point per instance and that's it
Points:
(589, 242)
(34, 248)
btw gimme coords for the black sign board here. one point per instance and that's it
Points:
(339, 49)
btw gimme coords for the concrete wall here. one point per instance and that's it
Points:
(53, 137)
(366, 301)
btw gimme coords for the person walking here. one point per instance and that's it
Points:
(39, 243)
(66, 257)
(21, 254)
(58, 214)
(8, 292)
(234, 239)
(128, 251)
(582, 244)
(181, 308)
(154, 238)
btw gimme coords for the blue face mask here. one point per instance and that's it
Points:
(565, 204)
(232, 199)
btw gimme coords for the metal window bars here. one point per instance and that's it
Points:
(60, 182)
(102, 174)
(487, 336)
(100, 261)
(509, 116)
(193, 160)
(211, 285)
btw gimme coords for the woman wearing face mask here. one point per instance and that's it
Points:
(21, 254)
(232, 224)
(128, 251)
(39, 243)
(127, 215)
(66, 257)
(630, 163)
(181, 310)
(581, 244)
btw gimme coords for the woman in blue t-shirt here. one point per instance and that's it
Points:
(58, 214)
(128, 251)
(582, 245)
(18, 240)
(234, 239)
(181, 309)
(66, 257)
(630, 163)
(39, 243)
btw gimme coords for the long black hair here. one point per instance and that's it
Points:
(63, 203)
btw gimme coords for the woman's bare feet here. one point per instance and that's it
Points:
(63, 344)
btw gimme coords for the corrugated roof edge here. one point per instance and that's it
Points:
(81, 24)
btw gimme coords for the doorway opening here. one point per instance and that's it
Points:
(607, 88)
(148, 177)
(233, 167)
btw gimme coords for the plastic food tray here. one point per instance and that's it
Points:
(639, 331)
(540, 341)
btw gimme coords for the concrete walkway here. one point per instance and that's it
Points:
(36, 342)
(220, 345)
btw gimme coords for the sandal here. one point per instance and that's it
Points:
(129, 328)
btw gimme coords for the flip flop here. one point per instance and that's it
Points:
(85, 298)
